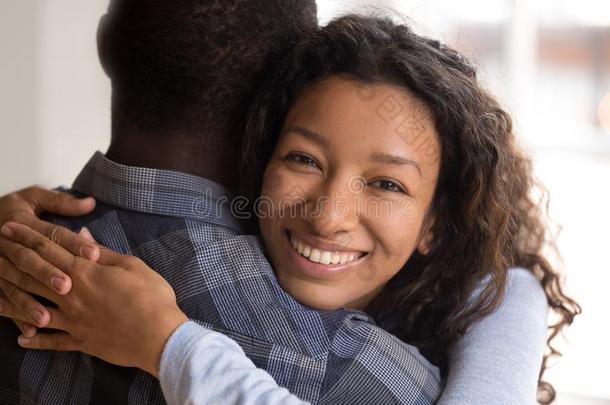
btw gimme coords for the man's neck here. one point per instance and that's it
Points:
(214, 162)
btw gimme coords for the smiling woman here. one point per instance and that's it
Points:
(367, 87)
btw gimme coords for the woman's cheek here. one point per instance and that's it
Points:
(281, 184)
(396, 239)
(274, 181)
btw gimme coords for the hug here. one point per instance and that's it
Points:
(400, 257)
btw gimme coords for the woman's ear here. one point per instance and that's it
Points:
(426, 236)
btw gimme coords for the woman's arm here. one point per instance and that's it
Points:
(199, 366)
(498, 360)
(141, 326)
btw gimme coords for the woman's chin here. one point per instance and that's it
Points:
(318, 297)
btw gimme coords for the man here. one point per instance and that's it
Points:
(182, 75)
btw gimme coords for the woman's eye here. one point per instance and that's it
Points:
(302, 159)
(389, 185)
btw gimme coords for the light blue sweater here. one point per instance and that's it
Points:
(496, 362)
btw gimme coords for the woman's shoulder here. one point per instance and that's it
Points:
(523, 287)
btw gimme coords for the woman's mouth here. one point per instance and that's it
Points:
(317, 254)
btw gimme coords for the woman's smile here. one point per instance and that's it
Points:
(317, 258)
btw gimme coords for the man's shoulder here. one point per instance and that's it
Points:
(379, 365)
(129, 229)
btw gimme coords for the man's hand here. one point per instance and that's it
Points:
(24, 207)
(119, 309)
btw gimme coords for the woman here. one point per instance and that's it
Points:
(390, 183)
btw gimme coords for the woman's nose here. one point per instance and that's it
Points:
(335, 209)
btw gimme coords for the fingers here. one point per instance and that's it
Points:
(22, 306)
(71, 241)
(42, 200)
(74, 243)
(27, 247)
(58, 341)
(26, 329)
(49, 250)
(106, 256)
(10, 273)
(26, 269)
(8, 310)
(21, 314)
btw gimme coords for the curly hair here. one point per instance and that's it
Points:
(486, 219)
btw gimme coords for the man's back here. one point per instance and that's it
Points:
(181, 226)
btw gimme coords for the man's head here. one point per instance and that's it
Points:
(191, 66)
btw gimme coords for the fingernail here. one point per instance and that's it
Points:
(58, 283)
(85, 233)
(23, 341)
(89, 252)
(7, 231)
(37, 316)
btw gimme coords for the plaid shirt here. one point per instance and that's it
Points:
(182, 227)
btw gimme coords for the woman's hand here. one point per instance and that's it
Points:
(118, 309)
(24, 207)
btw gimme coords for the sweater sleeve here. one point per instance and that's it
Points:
(498, 360)
(200, 366)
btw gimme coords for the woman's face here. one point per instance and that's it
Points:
(346, 191)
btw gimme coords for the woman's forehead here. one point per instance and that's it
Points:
(371, 117)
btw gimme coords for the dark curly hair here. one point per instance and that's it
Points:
(486, 220)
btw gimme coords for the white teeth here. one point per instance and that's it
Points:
(320, 256)
(314, 256)
(325, 258)
(306, 251)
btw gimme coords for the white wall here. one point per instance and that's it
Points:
(19, 156)
(55, 99)
(74, 92)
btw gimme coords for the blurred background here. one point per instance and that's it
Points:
(547, 60)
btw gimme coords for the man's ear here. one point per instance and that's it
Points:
(103, 50)
(427, 236)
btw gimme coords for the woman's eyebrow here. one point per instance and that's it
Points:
(311, 135)
(394, 160)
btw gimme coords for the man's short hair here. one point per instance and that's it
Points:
(194, 64)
